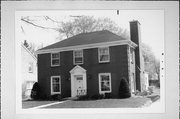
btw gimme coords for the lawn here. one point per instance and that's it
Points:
(30, 104)
(132, 102)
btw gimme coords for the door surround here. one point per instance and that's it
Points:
(78, 71)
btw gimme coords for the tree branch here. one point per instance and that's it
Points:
(48, 18)
(56, 29)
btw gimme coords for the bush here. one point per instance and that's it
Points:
(137, 92)
(144, 93)
(56, 97)
(35, 92)
(83, 97)
(97, 96)
(151, 89)
(124, 91)
(108, 95)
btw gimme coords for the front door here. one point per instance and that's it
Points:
(79, 85)
(78, 81)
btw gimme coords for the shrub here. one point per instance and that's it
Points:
(35, 92)
(97, 96)
(108, 95)
(151, 89)
(144, 93)
(56, 97)
(124, 91)
(137, 92)
(83, 97)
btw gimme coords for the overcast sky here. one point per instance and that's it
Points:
(152, 25)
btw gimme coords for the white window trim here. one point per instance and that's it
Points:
(99, 55)
(109, 74)
(74, 57)
(52, 93)
(57, 58)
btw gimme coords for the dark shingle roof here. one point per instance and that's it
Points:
(86, 38)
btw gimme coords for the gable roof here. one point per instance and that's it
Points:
(86, 38)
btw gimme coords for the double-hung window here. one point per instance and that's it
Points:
(30, 68)
(55, 85)
(55, 59)
(78, 57)
(131, 56)
(104, 83)
(104, 55)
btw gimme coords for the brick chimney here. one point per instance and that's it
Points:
(135, 36)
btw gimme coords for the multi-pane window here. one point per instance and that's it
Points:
(30, 67)
(78, 57)
(55, 59)
(104, 54)
(55, 85)
(104, 82)
(132, 56)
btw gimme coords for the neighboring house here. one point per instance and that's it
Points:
(29, 71)
(91, 63)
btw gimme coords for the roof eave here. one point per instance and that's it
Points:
(88, 46)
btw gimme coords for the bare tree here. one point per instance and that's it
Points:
(33, 22)
(79, 24)
(67, 28)
(152, 64)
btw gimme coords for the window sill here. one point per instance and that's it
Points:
(54, 93)
(55, 65)
(104, 62)
(102, 92)
(78, 63)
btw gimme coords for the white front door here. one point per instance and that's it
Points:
(79, 85)
(78, 81)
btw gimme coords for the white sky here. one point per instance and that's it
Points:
(152, 25)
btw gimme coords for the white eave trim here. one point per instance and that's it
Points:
(22, 45)
(88, 46)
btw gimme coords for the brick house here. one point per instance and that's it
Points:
(91, 63)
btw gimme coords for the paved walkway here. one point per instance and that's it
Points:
(46, 105)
